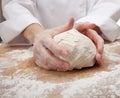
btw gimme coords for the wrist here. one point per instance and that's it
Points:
(32, 31)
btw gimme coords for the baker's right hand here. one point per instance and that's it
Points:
(45, 48)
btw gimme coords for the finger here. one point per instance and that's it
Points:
(82, 26)
(65, 27)
(39, 57)
(98, 58)
(45, 64)
(39, 63)
(54, 47)
(55, 63)
(49, 61)
(99, 42)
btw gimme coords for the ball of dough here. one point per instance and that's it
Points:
(81, 49)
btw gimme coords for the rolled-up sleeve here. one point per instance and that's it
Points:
(105, 14)
(18, 16)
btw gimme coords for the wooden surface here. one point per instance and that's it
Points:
(21, 78)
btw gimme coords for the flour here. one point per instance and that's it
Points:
(13, 58)
(26, 88)
(5, 62)
(95, 86)
(113, 57)
(20, 55)
(104, 84)
(92, 87)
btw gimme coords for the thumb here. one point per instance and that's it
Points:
(65, 27)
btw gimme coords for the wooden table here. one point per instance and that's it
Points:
(21, 78)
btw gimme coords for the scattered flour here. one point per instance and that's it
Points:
(26, 88)
(13, 58)
(113, 57)
(101, 85)
(105, 84)
(96, 86)
(5, 62)
(20, 55)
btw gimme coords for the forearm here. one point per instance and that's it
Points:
(32, 31)
(18, 16)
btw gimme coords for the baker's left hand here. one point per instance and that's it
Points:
(87, 29)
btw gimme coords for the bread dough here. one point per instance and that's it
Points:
(81, 49)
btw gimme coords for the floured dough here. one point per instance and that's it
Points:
(81, 49)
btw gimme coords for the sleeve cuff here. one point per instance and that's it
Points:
(110, 30)
(10, 29)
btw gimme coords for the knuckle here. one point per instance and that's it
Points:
(58, 50)
(59, 63)
(42, 40)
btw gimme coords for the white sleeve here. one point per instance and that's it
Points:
(105, 14)
(118, 22)
(18, 15)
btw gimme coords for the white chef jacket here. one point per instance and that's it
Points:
(51, 13)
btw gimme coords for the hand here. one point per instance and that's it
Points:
(87, 29)
(99, 42)
(45, 49)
